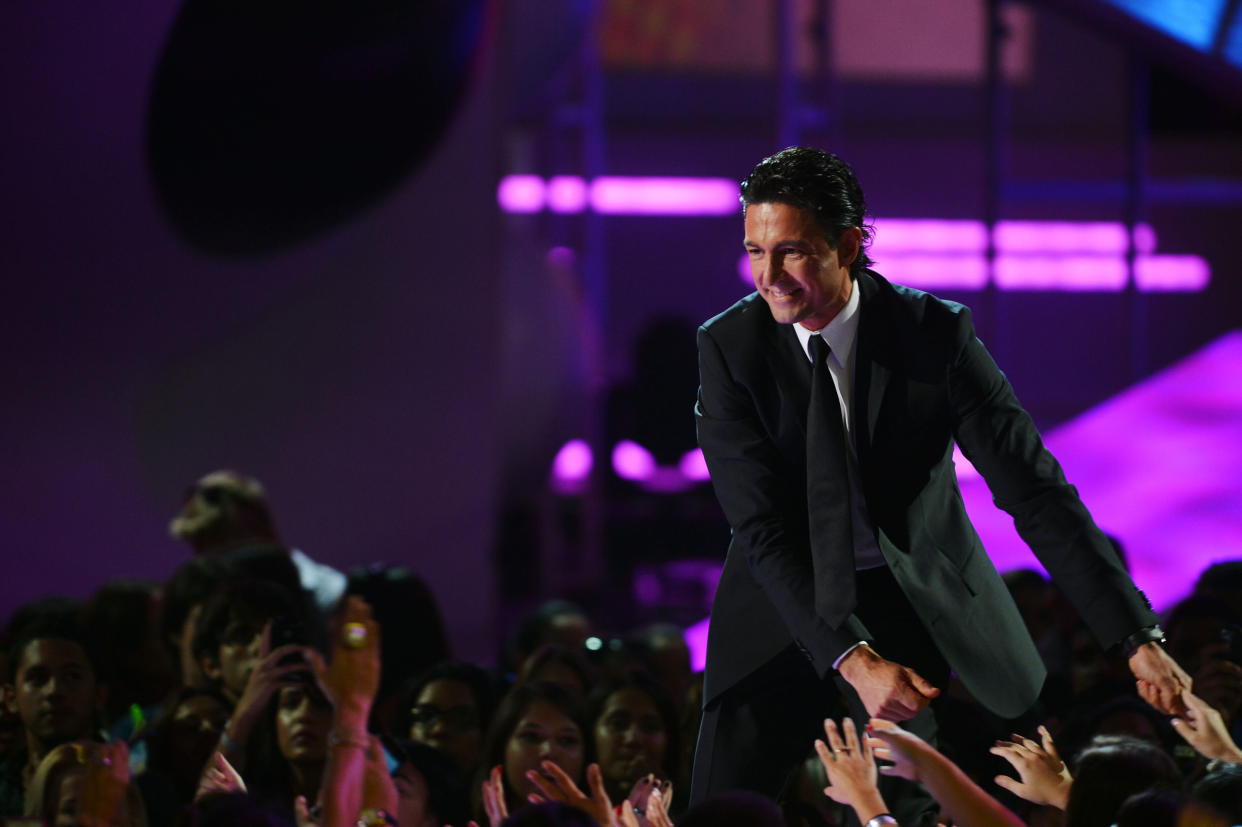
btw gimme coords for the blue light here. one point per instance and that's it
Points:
(1231, 49)
(1193, 22)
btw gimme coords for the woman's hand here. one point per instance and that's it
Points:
(851, 770)
(556, 785)
(906, 751)
(1204, 729)
(219, 777)
(1043, 777)
(494, 797)
(353, 676)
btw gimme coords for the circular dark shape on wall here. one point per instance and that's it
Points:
(271, 121)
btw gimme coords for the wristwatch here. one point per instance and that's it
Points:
(882, 820)
(1148, 634)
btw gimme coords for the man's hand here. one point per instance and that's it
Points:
(1160, 679)
(890, 691)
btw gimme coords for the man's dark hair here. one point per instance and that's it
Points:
(818, 182)
(1111, 769)
(248, 603)
(53, 620)
(190, 585)
(1221, 791)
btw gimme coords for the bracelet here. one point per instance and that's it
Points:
(376, 818)
(359, 738)
(881, 820)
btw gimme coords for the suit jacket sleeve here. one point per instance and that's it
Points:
(752, 483)
(997, 435)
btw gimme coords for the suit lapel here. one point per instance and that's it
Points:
(870, 374)
(789, 364)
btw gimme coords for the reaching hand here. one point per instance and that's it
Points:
(556, 785)
(219, 777)
(105, 784)
(266, 679)
(1204, 729)
(354, 674)
(907, 751)
(889, 691)
(654, 815)
(1160, 679)
(494, 797)
(1043, 776)
(849, 764)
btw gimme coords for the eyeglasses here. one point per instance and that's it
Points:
(456, 718)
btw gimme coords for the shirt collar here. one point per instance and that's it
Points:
(840, 333)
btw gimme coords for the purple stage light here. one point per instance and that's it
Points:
(1170, 273)
(693, 466)
(632, 461)
(572, 467)
(567, 194)
(929, 271)
(923, 235)
(521, 193)
(614, 195)
(1159, 466)
(696, 642)
(1061, 273)
(1087, 237)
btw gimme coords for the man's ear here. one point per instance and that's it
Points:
(8, 694)
(848, 246)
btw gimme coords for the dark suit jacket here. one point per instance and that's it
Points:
(922, 381)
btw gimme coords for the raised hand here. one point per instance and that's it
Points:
(1205, 730)
(494, 797)
(1160, 679)
(888, 690)
(266, 679)
(1043, 777)
(907, 753)
(850, 766)
(647, 804)
(353, 676)
(556, 785)
(219, 777)
(105, 785)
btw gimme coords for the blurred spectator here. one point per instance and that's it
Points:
(227, 513)
(563, 665)
(400, 600)
(184, 595)
(556, 621)
(120, 622)
(1111, 769)
(430, 788)
(449, 707)
(54, 691)
(633, 730)
(535, 722)
(1222, 581)
(179, 741)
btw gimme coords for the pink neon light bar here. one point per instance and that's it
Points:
(567, 194)
(1169, 273)
(520, 193)
(1052, 237)
(664, 196)
(571, 467)
(904, 235)
(1061, 273)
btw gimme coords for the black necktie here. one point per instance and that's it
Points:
(828, 494)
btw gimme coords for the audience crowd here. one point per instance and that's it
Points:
(258, 687)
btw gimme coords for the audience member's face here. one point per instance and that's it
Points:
(412, 797)
(445, 717)
(544, 733)
(303, 718)
(191, 670)
(629, 736)
(238, 654)
(54, 692)
(196, 726)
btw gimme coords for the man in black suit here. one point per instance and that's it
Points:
(829, 404)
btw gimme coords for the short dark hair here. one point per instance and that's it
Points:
(49, 621)
(246, 601)
(1111, 769)
(818, 182)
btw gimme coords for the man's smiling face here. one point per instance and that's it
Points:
(798, 273)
